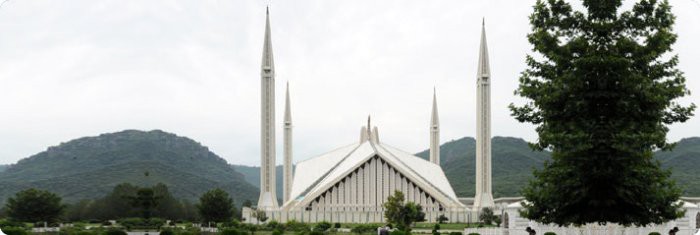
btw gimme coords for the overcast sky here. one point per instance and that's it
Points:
(77, 68)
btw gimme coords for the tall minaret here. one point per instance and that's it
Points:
(268, 198)
(288, 171)
(434, 133)
(484, 197)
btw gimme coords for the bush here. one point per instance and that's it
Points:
(167, 232)
(322, 226)
(469, 233)
(106, 223)
(399, 232)
(336, 225)
(139, 223)
(274, 225)
(14, 231)
(230, 231)
(654, 233)
(550, 233)
(363, 228)
(315, 233)
(231, 224)
(277, 232)
(115, 232)
(442, 219)
(295, 226)
(436, 227)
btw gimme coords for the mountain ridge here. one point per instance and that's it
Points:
(89, 167)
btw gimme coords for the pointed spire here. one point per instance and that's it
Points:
(483, 71)
(287, 108)
(435, 132)
(268, 63)
(369, 118)
(434, 120)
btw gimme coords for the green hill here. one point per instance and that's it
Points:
(684, 160)
(512, 159)
(90, 167)
(513, 162)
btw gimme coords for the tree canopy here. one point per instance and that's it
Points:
(34, 205)
(216, 206)
(400, 213)
(602, 93)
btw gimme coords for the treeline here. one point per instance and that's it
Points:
(127, 201)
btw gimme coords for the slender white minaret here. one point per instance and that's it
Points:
(288, 167)
(268, 198)
(434, 133)
(483, 197)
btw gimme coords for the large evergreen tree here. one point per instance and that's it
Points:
(34, 205)
(216, 206)
(602, 96)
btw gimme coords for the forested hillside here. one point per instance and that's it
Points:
(512, 159)
(91, 167)
(513, 162)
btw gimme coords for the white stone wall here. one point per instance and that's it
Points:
(354, 215)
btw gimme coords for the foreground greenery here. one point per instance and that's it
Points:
(602, 97)
(234, 227)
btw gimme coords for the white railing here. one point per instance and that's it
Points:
(580, 231)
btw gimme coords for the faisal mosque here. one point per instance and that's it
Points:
(351, 183)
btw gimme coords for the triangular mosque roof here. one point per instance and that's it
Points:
(316, 174)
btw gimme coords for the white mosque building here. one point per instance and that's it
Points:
(350, 184)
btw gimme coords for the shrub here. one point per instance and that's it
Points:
(106, 223)
(469, 233)
(231, 231)
(115, 232)
(315, 233)
(363, 228)
(167, 232)
(295, 226)
(274, 225)
(399, 232)
(654, 233)
(277, 232)
(336, 225)
(14, 231)
(550, 233)
(436, 227)
(131, 223)
(322, 226)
